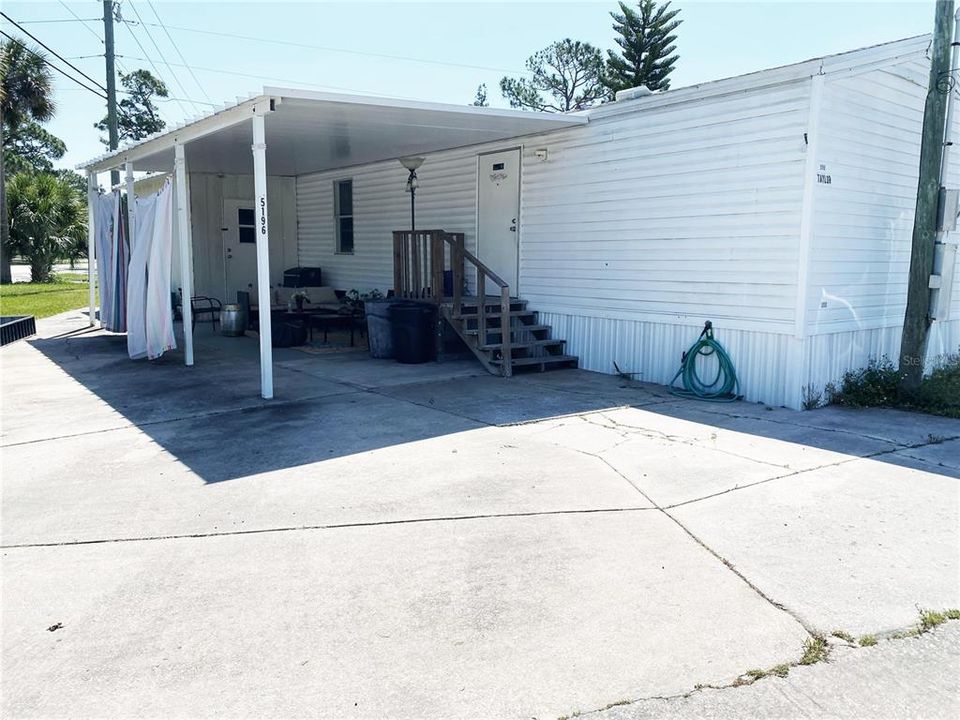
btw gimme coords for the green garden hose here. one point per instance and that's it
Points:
(725, 387)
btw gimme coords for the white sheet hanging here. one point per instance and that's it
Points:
(149, 311)
(104, 214)
(137, 276)
(112, 253)
(160, 336)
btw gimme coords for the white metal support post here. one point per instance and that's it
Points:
(131, 205)
(91, 243)
(263, 255)
(186, 247)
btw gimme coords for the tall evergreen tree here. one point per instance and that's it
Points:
(138, 116)
(646, 40)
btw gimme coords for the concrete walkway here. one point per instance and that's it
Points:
(429, 541)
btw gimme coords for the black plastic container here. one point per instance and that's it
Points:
(412, 326)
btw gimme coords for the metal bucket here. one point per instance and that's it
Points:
(233, 320)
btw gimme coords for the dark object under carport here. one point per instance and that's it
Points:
(16, 327)
(413, 327)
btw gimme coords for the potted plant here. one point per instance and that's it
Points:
(300, 297)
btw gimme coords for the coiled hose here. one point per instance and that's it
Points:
(725, 387)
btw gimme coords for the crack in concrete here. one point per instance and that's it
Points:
(326, 526)
(739, 681)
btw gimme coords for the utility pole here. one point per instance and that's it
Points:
(917, 320)
(111, 84)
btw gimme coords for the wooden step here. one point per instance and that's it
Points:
(515, 328)
(524, 344)
(519, 314)
(540, 360)
(493, 303)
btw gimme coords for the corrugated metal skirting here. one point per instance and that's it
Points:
(653, 350)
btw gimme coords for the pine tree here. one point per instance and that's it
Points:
(567, 75)
(481, 99)
(646, 39)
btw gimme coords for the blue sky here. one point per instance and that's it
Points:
(465, 44)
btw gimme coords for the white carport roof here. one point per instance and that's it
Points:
(312, 131)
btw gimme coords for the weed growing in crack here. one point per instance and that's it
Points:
(781, 670)
(868, 640)
(935, 439)
(757, 674)
(815, 650)
(843, 635)
(615, 704)
(929, 619)
(952, 614)
(912, 632)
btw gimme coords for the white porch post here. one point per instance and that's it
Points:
(131, 204)
(91, 243)
(263, 256)
(186, 247)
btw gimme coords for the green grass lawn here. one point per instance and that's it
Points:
(45, 299)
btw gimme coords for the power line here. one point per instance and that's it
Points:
(50, 64)
(82, 21)
(163, 59)
(147, 58)
(177, 48)
(51, 50)
(308, 46)
(284, 80)
(58, 20)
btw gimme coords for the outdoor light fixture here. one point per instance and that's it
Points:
(411, 164)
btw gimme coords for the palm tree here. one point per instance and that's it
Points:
(26, 95)
(48, 218)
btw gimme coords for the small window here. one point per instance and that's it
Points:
(246, 226)
(343, 215)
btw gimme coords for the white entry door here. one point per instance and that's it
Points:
(239, 249)
(498, 216)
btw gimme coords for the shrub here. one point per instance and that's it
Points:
(876, 384)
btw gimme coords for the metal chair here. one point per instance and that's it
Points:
(201, 305)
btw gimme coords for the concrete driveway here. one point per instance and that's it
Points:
(429, 541)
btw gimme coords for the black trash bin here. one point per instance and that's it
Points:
(412, 326)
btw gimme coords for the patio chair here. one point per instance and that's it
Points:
(203, 307)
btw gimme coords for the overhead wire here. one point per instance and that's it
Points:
(50, 49)
(148, 58)
(82, 21)
(176, 47)
(279, 79)
(386, 56)
(163, 58)
(45, 61)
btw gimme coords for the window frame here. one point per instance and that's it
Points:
(338, 217)
(252, 226)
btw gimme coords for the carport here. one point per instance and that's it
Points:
(305, 132)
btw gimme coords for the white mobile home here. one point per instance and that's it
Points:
(778, 205)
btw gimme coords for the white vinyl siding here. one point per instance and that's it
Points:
(445, 200)
(207, 195)
(870, 128)
(684, 212)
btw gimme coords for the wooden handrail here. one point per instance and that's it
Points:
(418, 272)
